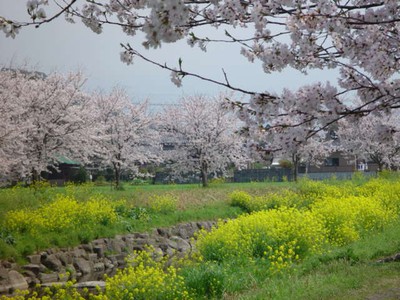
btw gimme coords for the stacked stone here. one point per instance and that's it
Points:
(88, 263)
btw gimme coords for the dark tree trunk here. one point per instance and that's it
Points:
(117, 175)
(35, 175)
(204, 174)
(378, 160)
(295, 160)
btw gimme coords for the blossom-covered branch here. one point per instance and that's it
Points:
(358, 38)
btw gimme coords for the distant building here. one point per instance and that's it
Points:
(67, 170)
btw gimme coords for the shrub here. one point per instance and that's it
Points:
(61, 215)
(100, 180)
(348, 218)
(286, 164)
(81, 176)
(279, 236)
(285, 197)
(240, 199)
(216, 181)
(139, 181)
(146, 277)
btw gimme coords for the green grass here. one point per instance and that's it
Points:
(194, 203)
(189, 195)
(350, 272)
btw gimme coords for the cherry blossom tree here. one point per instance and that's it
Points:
(360, 38)
(45, 117)
(204, 137)
(126, 133)
(373, 138)
(284, 137)
(10, 124)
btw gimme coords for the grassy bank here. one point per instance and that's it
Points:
(30, 211)
(310, 240)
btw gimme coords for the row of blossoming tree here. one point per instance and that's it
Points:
(45, 117)
(358, 38)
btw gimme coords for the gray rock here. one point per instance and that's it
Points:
(116, 246)
(92, 257)
(36, 269)
(82, 265)
(3, 273)
(17, 281)
(87, 247)
(90, 285)
(48, 277)
(98, 242)
(141, 235)
(183, 231)
(32, 280)
(108, 264)
(173, 243)
(34, 259)
(78, 252)
(52, 262)
(99, 250)
(92, 260)
(181, 244)
(113, 259)
(129, 244)
(99, 267)
(64, 257)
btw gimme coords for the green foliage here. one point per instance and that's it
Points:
(240, 199)
(217, 181)
(389, 175)
(147, 276)
(133, 213)
(61, 215)
(249, 203)
(100, 180)
(314, 241)
(206, 280)
(358, 177)
(139, 181)
(347, 218)
(286, 164)
(81, 176)
(287, 225)
(279, 236)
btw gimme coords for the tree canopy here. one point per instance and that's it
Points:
(360, 38)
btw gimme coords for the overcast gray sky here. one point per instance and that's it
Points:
(60, 46)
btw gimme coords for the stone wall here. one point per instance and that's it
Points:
(89, 262)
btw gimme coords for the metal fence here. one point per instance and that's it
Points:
(338, 175)
(260, 175)
(257, 175)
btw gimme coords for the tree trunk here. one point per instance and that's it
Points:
(295, 160)
(35, 175)
(204, 174)
(117, 176)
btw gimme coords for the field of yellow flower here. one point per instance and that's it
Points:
(276, 233)
(318, 216)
